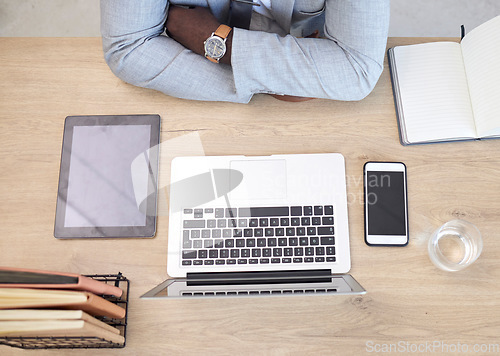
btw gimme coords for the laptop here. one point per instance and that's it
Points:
(258, 225)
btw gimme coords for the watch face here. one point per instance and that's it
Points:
(215, 47)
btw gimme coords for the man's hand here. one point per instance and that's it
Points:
(192, 26)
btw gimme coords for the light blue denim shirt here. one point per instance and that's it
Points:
(344, 64)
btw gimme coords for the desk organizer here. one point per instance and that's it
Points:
(82, 342)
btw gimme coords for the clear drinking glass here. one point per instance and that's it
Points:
(455, 245)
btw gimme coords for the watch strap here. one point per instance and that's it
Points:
(222, 31)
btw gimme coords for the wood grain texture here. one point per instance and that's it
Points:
(408, 299)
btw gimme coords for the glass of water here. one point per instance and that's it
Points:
(455, 245)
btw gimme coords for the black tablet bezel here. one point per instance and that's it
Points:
(149, 230)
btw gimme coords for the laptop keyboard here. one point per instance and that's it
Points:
(258, 235)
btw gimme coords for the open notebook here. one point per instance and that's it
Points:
(448, 91)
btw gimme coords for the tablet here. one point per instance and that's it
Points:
(108, 177)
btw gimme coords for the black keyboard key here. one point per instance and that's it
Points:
(211, 223)
(186, 262)
(253, 223)
(221, 223)
(188, 211)
(235, 253)
(197, 244)
(231, 212)
(296, 211)
(319, 259)
(197, 262)
(232, 223)
(224, 253)
(284, 221)
(314, 240)
(219, 213)
(274, 222)
(275, 260)
(269, 231)
(277, 252)
(328, 210)
(242, 261)
(286, 260)
(327, 220)
(327, 230)
(309, 251)
(229, 243)
(248, 232)
(316, 220)
(256, 252)
(237, 233)
(318, 210)
(282, 241)
(220, 262)
(308, 259)
(301, 231)
(250, 242)
(295, 221)
(320, 251)
(306, 221)
(264, 211)
(242, 223)
(227, 233)
(330, 250)
(304, 241)
(187, 254)
(272, 242)
(330, 259)
(263, 222)
(264, 260)
(266, 252)
(261, 242)
(205, 234)
(231, 262)
(208, 244)
(288, 251)
(293, 241)
(327, 240)
(213, 254)
(245, 252)
(208, 262)
(258, 232)
(308, 210)
(311, 230)
(290, 231)
(240, 242)
(195, 234)
(297, 260)
(216, 233)
(298, 251)
(202, 254)
(252, 261)
(279, 231)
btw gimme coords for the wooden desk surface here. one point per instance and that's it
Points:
(409, 302)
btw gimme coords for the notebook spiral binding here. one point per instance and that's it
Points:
(48, 342)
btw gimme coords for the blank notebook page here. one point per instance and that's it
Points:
(481, 49)
(434, 93)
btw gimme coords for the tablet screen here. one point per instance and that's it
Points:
(107, 184)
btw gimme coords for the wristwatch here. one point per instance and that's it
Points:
(215, 45)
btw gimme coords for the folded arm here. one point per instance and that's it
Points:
(344, 66)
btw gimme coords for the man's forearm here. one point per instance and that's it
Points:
(192, 26)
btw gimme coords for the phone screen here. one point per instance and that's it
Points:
(385, 201)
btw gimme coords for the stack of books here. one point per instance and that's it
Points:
(41, 304)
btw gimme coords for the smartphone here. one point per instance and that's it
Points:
(386, 204)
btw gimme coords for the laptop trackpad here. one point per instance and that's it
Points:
(262, 179)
